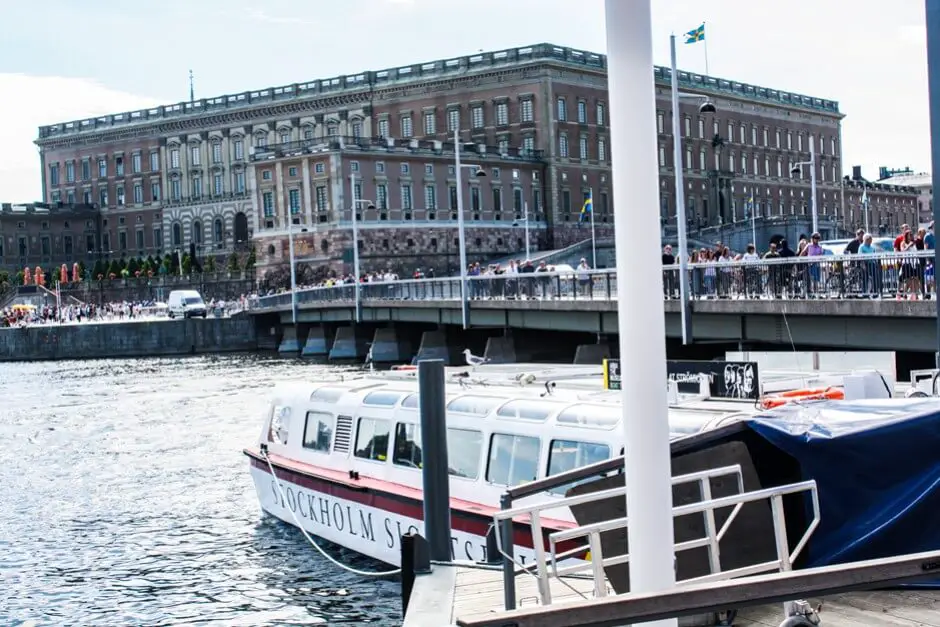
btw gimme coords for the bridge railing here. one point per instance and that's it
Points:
(882, 275)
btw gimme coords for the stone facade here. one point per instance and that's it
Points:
(47, 236)
(196, 170)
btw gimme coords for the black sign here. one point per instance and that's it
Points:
(728, 379)
(612, 374)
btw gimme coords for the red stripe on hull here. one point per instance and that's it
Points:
(404, 500)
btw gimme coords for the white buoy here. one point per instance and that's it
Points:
(635, 176)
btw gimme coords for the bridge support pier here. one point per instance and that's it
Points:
(434, 346)
(389, 345)
(349, 343)
(319, 342)
(291, 340)
(591, 354)
(501, 350)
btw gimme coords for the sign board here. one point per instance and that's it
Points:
(728, 379)
(611, 374)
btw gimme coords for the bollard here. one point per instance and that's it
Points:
(434, 470)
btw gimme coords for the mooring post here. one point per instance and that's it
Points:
(414, 561)
(434, 469)
(509, 567)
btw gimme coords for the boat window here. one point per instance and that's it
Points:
(407, 446)
(475, 405)
(381, 398)
(410, 402)
(525, 409)
(327, 395)
(514, 459)
(595, 416)
(372, 439)
(318, 431)
(463, 452)
(280, 424)
(566, 455)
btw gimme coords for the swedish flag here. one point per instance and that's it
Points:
(694, 35)
(587, 208)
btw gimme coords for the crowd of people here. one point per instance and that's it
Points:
(715, 275)
(77, 313)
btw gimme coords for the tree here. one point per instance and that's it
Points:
(4, 277)
(232, 265)
(187, 264)
(210, 264)
(81, 268)
(250, 262)
(19, 277)
(114, 268)
(132, 267)
(100, 269)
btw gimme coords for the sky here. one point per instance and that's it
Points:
(70, 60)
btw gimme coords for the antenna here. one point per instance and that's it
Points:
(192, 96)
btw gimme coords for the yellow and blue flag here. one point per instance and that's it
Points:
(587, 208)
(696, 34)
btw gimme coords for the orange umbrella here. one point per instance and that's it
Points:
(27, 276)
(75, 273)
(63, 274)
(40, 279)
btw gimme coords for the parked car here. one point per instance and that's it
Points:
(186, 304)
(837, 246)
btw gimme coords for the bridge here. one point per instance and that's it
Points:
(869, 302)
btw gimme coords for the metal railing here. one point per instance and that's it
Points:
(878, 276)
(559, 564)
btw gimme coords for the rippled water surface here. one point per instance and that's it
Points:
(125, 500)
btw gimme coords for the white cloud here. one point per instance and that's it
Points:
(32, 101)
(262, 16)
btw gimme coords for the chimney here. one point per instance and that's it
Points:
(857, 173)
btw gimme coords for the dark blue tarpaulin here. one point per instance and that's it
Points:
(877, 467)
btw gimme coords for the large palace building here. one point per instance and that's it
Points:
(235, 169)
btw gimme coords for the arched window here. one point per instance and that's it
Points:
(177, 234)
(325, 246)
(217, 234)
(197, 232)
(241, 227)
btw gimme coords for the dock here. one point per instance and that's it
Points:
(467, 593)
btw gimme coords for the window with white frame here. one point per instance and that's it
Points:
(138, 193)
(701, 128)
(217, 184)
(601, 113)
(196, 185)
(660, 122)
(195, 156)
(582, 112)
(583, 147)
(688, 159)
(502, 114)
(702, 160)
(175, 158)
(238, 147)
(563, 146)
(176, 189)
(154, 161)
(239, 182)
(217, 152)
(561, 107)
(383, 127)
(453, 120)
(765, 135)
(430, 124)
(406, 197)
(430, 197)
(102, 168)
(285, 137)
(754, 135)
(662, 156)
(321, 198)
(381, 196)
(528, 144)
(356, 129)
(741, 132)
(687, 126)
(527, 110)
(730, 131)
(135, 163)
(601, 149)
(476, 117)
(407, 130)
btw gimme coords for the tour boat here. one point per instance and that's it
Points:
(346, 454)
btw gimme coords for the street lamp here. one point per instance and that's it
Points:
(478, 172)
(798, 169)
(707, 106)
(356, 203)
(525, 221)
(293, 273)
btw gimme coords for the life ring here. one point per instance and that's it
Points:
(404, 367)
(804, 394)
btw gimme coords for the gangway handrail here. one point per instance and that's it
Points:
(702, 478)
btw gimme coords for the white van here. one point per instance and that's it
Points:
(186, 304)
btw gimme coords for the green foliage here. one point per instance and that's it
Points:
(100, 269)
(132, 267)
(114, 268)
(209, 266)
(232, 264)
(250, 262)
(187, 264)
(19, 277)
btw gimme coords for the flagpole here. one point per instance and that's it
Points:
(705, 41)
(593, 239)
(753, 225)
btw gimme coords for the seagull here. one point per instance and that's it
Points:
(473, 360)
(369, 359)
(525, 378)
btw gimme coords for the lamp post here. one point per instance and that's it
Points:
(933, 82)
(635, 177)
(355, 204)
(461, 236)
(681, 226)
(798, 169)
(525, 221)
(293, 273)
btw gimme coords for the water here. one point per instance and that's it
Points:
(125, 500)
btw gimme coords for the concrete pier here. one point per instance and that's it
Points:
(434, 346)
(390, 345)
(501, 350)
(319, 342)
(349, 343)
(591, 354)
(290, 342)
